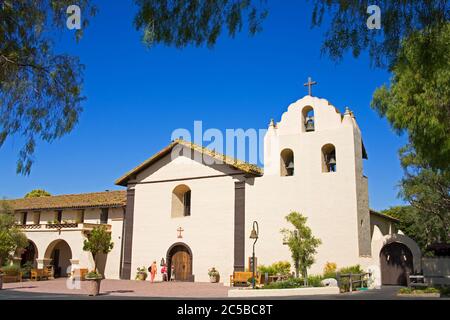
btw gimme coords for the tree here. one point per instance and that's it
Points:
(418, 99)
(40, 90)
(37, 193)
(11, 238)
(399, 19)
(98, 241)
(424, 228)
(302, 244)
(193, 22)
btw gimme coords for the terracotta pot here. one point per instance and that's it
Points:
(214, 279)
(93, 286)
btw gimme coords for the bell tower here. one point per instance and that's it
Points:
(313, 164)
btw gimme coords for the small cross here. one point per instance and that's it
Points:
(309, 84)
(180, 230)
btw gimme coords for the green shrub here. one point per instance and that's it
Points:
(277, 268)
(315, 281)
(352, 269)
(287, 284)
(12, 270)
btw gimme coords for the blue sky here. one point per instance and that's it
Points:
(137, 96)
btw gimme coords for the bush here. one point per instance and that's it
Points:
(330, 267)
(277, 268)
(287, 284)
(344, 282)
(419, 291)
(315, 281)
(11, 270)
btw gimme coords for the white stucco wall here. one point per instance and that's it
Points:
(209, 231)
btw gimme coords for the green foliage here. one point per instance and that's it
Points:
(348, 30)
(418, 99)
(98, 241)
(302, 244)
(287, 284)
(329, 269)
(40, 91)
(37, 193)
(356, 269)
(277, 268)
(418, 291)
(26, 269)
(11, 270)
(11, 238)
(182, 23)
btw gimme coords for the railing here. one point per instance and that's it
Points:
(62, 226)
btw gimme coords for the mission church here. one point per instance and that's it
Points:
(197, 212)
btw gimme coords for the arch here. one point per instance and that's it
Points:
(308, 119)
(60, 254)
(181, 201)
(29, 255)
(329, 159)
(378, 245)
(287, 163)
(180, 256)
(396, 262)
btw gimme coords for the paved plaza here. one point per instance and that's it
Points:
(125, 289)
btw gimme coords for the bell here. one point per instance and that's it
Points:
(290, 166)
(253, 234)
(309, 124)
(332, 161)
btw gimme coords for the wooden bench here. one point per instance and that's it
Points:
(242, 277)
(38, 274)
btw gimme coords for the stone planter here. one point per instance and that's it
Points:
(93, 286)
(214, 278)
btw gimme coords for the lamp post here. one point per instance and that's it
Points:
(254, 235)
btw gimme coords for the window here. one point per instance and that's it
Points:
(24, 218)
(181, 201)
(308, 119)
(287, 163)
(37, 217)
(104, 216)
(59, 216)
(329, 163)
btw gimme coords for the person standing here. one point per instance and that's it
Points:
(164, 272)
(153, 271)
(172, 273)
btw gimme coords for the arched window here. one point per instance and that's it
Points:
(181, 201)
(308, 119)
(329, 163)
(287, 163)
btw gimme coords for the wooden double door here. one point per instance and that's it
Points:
(396, 262)
(181, 258)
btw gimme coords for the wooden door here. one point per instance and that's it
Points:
(181, 260)
(396, 263)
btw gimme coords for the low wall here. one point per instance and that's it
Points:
(248, 293)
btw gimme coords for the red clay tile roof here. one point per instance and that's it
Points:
(71, 201)
(237, 164)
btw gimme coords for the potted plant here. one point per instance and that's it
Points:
(214, 275)
(141, 274)
(98, 241)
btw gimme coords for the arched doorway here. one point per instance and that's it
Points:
(60, 254)
(396, 262)
(29, 255)
(180, 256)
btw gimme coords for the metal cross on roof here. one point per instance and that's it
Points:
(309, 84)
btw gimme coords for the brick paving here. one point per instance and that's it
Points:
(117, 288)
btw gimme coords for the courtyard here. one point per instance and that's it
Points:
(126, 289)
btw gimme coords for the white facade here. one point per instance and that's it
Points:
(225, 199)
